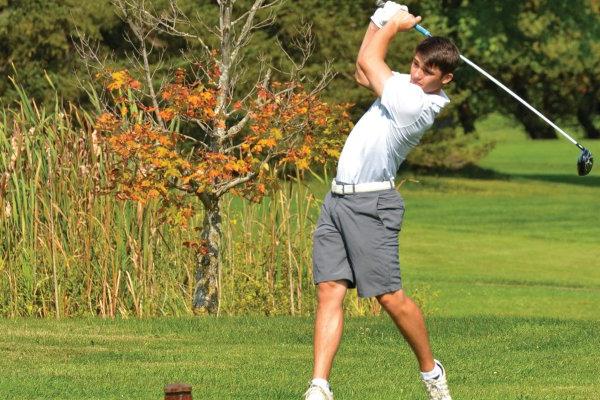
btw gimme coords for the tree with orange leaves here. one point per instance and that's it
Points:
(196, 136)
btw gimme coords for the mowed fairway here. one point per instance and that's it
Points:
(512, 264)
(269, 358)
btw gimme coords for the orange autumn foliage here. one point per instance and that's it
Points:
(285, 126)
(121, 80)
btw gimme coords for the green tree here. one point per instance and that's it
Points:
(36, 38)
(545, 50)
(234, 142)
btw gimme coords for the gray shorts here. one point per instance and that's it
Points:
(356, 239)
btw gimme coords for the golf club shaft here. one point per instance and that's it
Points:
(425, 32)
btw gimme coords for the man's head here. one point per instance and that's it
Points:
(434, 63)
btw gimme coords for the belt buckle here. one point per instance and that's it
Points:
(344, 189)
(344, 185)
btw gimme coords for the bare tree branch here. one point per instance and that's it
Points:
(224, 64)
(168, 22)
(264, 78)
(244, 36)
(231, 184)
(199, 65)
(87, 52)
(304, 42)
(225, 187)
(234, 130)
(230, 149)
(133, 12)
(326, 77)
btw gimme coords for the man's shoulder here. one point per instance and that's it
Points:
(438, 100)
(407, 103)
(399, 85)
(401, 79)
(405, 77)
(403, 100)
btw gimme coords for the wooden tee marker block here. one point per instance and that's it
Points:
(178, 391)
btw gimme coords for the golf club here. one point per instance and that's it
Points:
(585, 161)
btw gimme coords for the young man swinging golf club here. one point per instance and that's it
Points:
(356, 239)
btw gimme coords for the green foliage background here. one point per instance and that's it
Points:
(547, 50)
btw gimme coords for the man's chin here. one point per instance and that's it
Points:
(432, 91)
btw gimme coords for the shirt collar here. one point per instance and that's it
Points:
(439, 99)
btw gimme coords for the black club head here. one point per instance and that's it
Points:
(585, 162)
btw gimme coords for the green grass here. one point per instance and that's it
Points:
(268, 358)
(526, 243)
(509, 262)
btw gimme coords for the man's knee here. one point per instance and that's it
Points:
(394, 300)
(331, 292)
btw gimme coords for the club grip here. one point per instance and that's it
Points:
(422, 30)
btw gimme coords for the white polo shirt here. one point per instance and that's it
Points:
(385, 134)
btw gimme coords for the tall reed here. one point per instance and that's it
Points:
(68, 248)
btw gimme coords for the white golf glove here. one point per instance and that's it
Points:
(383, 14)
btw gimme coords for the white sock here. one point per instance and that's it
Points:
(434, 373)
(321, 383)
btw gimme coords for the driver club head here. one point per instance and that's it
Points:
(585, 162)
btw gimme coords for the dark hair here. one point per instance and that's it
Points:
(440, 52)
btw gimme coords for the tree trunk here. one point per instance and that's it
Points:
(206, 293)
(467, 117)
(585, 113)
(536, 128)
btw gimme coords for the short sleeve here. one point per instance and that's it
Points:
(403, 100)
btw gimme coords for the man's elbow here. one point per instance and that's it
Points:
(362, 62)
(357, 76)
(360, 78)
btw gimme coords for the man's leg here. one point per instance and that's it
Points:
(408, 318)
(329, 323)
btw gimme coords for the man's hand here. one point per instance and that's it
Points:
(404, 21)
(383, 14)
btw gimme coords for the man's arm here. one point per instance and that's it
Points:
(359, 75)
(371, 59)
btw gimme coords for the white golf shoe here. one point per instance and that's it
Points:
(437, 388)
(316, 392)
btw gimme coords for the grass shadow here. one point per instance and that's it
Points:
(586, 181)
(471, 171)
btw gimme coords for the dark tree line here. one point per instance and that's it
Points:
(547, 51)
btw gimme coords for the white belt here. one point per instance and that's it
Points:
(360, 187)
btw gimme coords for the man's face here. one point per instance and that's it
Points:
(430, 79)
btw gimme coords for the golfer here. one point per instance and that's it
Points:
(356, 239)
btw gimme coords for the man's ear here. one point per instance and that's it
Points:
(446, 79)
